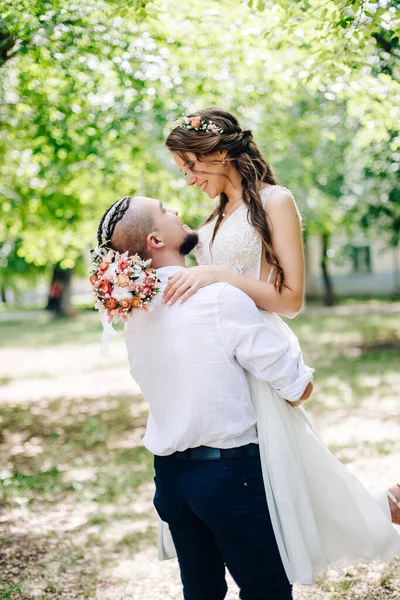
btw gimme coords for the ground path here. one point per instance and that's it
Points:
(79, 520)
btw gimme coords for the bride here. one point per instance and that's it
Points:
(322, 516)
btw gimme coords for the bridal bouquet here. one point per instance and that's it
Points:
(122, 284)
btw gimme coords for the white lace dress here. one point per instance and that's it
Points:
(323, 518)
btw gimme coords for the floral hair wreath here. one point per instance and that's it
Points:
(198, 124)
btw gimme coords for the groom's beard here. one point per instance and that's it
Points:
(189, 242)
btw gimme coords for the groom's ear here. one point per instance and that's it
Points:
(154, 241)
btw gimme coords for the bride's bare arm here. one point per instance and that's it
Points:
(287, 242)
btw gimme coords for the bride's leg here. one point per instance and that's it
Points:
(394, 503)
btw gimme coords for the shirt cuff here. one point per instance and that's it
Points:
(295, 391)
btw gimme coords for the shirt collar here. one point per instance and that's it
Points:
(164, 272)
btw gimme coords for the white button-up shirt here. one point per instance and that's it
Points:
(190, 359)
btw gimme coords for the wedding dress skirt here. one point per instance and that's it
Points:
(323, 518)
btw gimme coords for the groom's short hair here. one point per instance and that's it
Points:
(125, 226)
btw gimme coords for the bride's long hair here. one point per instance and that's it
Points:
(247, 159)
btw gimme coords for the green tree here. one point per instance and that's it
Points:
(89, 92)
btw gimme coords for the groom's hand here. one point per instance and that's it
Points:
(306, 394)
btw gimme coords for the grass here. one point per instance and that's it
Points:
(43, 330)
(9, 592)
(352, 353)
(84, 479)
(69, 444)
(76, 483)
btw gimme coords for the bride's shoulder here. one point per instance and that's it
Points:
(277, 199)
(276, 194)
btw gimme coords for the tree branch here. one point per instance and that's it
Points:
(9, 44)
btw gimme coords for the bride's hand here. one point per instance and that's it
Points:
(185, 283)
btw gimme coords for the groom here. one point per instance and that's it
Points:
(190, 362)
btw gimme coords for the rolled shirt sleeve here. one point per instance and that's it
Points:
(260, 346)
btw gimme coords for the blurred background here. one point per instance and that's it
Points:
(88, 93)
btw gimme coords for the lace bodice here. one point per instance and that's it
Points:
(237, 244)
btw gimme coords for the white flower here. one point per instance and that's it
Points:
(121, 293)
(111, 271)
(140, 276)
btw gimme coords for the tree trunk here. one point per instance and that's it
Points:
(8, 44)
(308, 274)
(60, 293)
(3, 294)
(396, 270)
(329, 296)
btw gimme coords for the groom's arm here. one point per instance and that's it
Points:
(260, 347)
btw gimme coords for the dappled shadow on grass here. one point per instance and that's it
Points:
(356, 360)
(77, 491)
(323, 337)
(77, 482)
(354, 404)
(61, 552)
(52, 567)
(89, 447)
(348, 379)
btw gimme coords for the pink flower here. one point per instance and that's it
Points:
(123, 280)
(147, 290)
(123, 264)
(195, 122)
(103, 266)
(214, 128)
(132, 285)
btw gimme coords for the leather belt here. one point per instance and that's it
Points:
(207, 453)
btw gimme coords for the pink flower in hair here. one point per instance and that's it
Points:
(195, 122)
